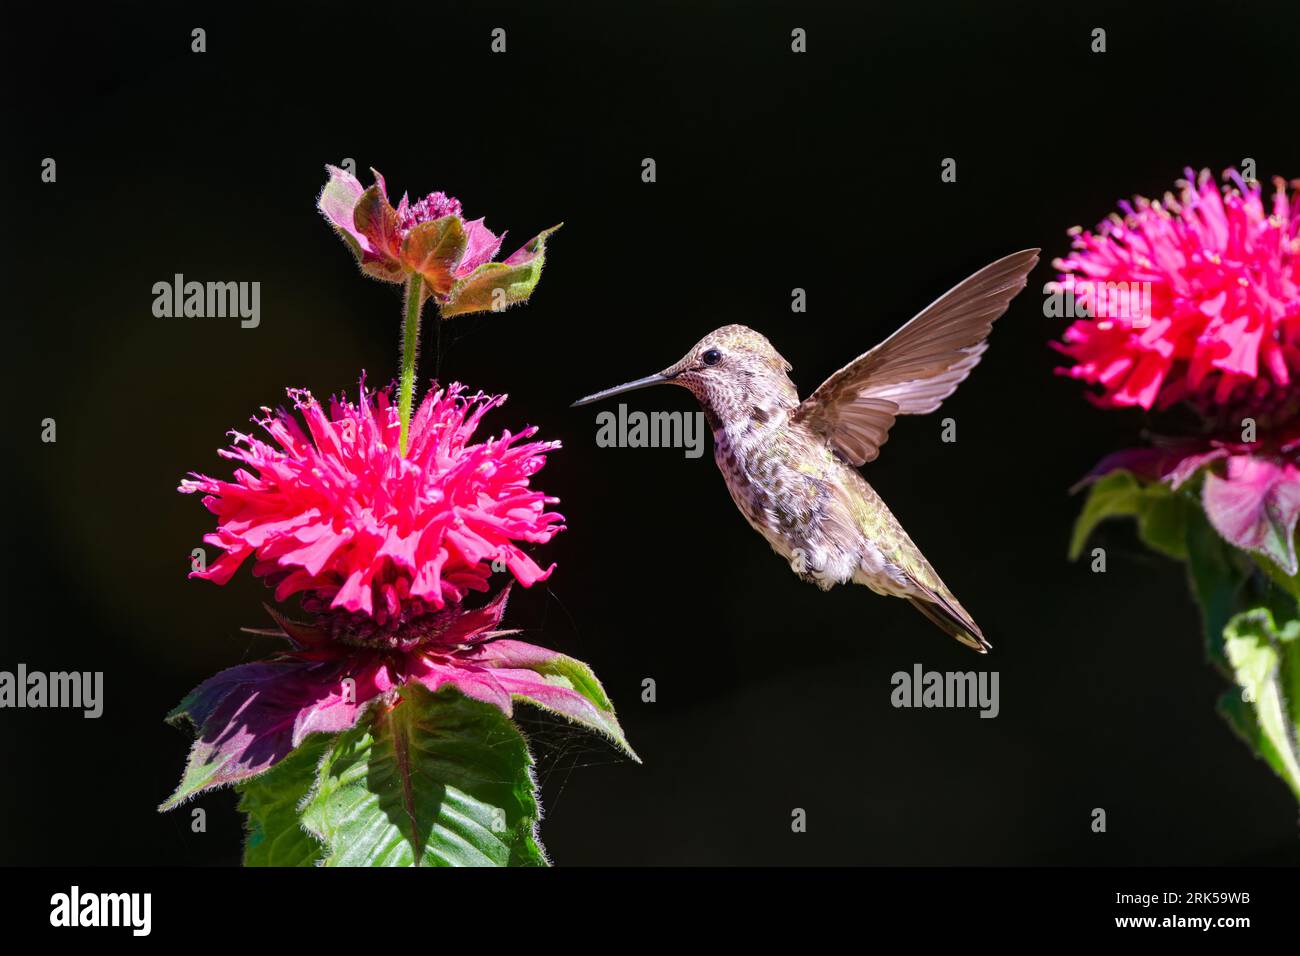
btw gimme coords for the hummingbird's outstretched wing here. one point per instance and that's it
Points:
(917, 367)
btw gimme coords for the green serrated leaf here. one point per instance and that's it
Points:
(1162, 521)
(1162, 513)
(497, 285)
(1216, 582)
(275, 835)
(1244, 721)
(1117, 494)
(1266, 664)
(439, 779)
(572, 674)
(1288, 583)
(375, 219)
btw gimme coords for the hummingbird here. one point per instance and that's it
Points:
(791, 466)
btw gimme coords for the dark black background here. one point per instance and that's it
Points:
(775, 170)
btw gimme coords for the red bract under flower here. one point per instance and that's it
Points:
(337, 513)
(1195, 297)
(252, 716)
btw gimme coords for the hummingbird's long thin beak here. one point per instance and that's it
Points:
(659, 378)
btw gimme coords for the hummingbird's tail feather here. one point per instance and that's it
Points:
(929, 596)
(950, 618)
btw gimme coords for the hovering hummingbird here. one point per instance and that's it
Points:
(791, 466)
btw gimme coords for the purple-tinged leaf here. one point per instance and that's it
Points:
(434, 249)
(251, 716)
(1255, 507)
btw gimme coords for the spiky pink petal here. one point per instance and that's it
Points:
(1194, 297)
(335, 512)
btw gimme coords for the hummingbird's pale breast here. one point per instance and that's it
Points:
(816, 512)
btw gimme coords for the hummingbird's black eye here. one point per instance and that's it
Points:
(711, 357)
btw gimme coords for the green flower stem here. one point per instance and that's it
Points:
(410, 347)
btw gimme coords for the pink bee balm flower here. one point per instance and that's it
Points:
(1196, 299)
(430, 239)
(335, 512)
(1191, 298)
